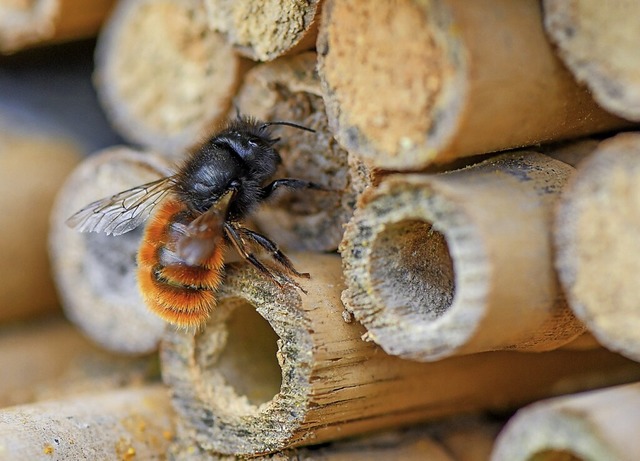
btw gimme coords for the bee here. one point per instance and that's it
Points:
(194, 215)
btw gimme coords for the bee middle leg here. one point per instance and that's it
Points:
(233, 232)
(271, 247)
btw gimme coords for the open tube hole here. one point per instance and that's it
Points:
(412, 270)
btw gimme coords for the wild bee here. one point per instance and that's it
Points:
(194, 215)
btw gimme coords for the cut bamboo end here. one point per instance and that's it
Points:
(164, 79)
(275, 369)
(263, 31)
(457, 263)
(125, 425)
(33, 166)
(289, 90)
(600, 47)
(95, 273)
(27, 23)
(597, 245)
(597, 425)
(411, 83)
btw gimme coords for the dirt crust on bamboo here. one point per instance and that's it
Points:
(164, 79)
(599, 44)
(264, 30)
(410, 83)
(597, 243)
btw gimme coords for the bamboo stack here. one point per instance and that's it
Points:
(451, 276)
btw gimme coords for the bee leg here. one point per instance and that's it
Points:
(270, 246)
(236, 240)
(291, 184)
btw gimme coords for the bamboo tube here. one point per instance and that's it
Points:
(416, 444)
(596, 241)
(125, 425)
(289, 89)
(596, 425)
(50, 359)
(410, 83)
(95, 273)
(163, 78)
(297, 374)
(33, 165)
(571, 152)
(468, 439)
(263, 31)
(599, 44)
(26, 23)
(460, 262)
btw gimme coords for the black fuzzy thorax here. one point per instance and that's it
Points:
(239, 157)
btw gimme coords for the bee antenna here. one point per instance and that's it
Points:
(294, 125)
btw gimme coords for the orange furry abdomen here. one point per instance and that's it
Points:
(179, 293)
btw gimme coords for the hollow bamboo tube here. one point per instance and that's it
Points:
(27, 23)
(409, 83)
(127, 424)
(596, 425)
(33, 165)
(163, 78)
(599, 44)
(50, 359)
(596, 241)
(263, 31)
(461, 262)
(288, 89)
(297, 374)
(95, 273)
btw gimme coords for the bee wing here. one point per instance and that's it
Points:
(121, 212)
(204, 234)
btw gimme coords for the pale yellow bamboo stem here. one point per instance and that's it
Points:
(288, 89)
(165, 80)
(95, 273)
(409, 83)
(596, 236)
(597, 425)
(126, 425)
(27, 23)
(297, 374)
(264, 30)
(33, 165)
(599, 44)
(461, 262)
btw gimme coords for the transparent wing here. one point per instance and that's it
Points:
(121, 212)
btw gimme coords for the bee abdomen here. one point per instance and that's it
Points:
(179, 293)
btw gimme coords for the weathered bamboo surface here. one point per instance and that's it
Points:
(600, 46)
(460, 262)
(297, 374)
(165, 80)
(33, 165)
(289, 90)
(48, 358)
(597, 242)
(127, 424)
(596, 425)
(95, 273)
(411, 83)
(31, 23)
(263, 31)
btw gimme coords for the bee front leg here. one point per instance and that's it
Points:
(290, 183)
